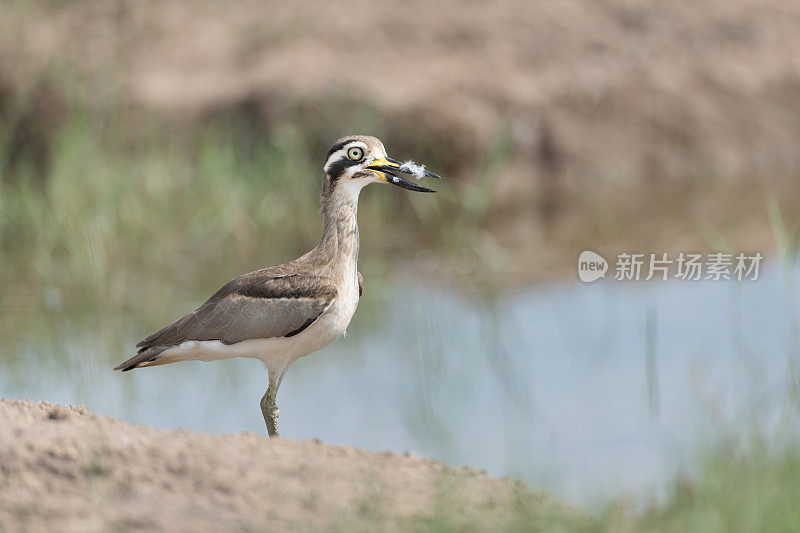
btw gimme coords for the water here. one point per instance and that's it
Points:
(562, 384)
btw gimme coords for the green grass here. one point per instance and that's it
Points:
(109, 214)
(748, 488)
(751, 486)
(108, 205)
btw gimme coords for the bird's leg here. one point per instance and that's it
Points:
(270, 409)
(268, 406)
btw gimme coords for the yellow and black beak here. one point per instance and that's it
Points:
(388, 169)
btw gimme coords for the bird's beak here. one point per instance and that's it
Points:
(388, 169)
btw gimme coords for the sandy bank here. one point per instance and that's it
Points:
(64, 468)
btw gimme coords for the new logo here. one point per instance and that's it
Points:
(591, 266)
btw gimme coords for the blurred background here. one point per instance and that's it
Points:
(151, 151)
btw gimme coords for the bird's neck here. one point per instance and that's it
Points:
(339, 241)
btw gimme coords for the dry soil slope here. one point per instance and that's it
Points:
(63, 468)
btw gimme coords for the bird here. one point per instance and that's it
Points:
(281, 313)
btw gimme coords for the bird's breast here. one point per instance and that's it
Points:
(344, 307)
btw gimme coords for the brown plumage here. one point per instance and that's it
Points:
(280, 301)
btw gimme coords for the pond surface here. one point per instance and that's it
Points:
(589, 391)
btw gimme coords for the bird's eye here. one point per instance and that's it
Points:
(355, 153)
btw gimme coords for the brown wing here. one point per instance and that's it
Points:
(254, 306)
(360, 285)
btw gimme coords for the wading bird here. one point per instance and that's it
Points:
(281, 313)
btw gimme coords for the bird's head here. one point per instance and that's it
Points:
(358, 160)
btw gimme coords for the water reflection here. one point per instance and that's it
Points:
(550, 383)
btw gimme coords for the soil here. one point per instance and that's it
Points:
(65, 469)
(627, 88)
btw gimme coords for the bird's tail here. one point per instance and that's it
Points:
(146, 357)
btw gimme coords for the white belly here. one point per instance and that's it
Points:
(277, 353)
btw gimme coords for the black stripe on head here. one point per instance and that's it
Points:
(337, 168)
(338, 146)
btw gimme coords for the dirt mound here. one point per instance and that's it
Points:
(63, 468)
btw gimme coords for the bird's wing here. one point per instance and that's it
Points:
(254, 306)
(360, 285)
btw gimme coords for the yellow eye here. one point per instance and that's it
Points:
(355, 153)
